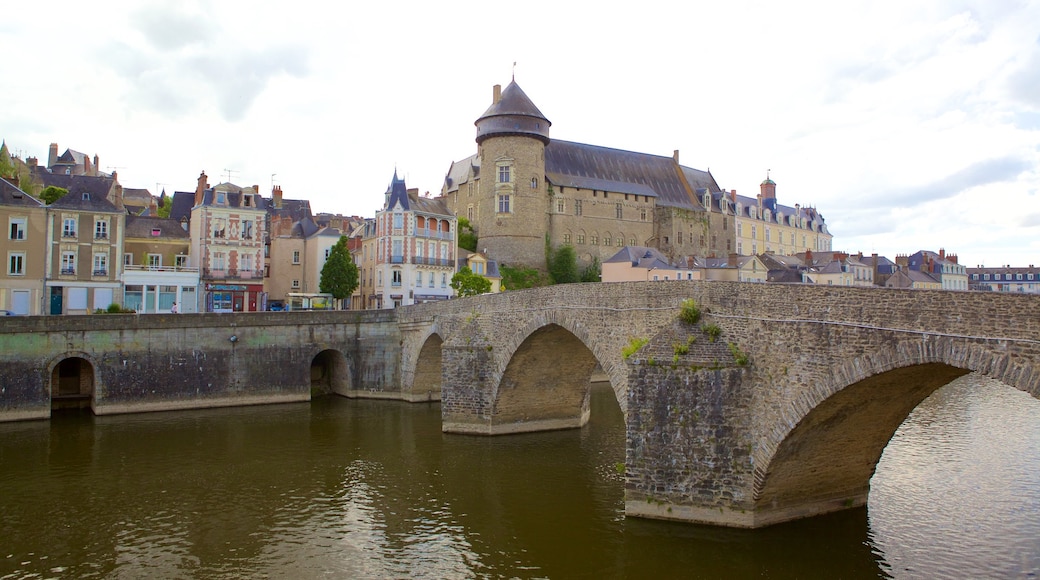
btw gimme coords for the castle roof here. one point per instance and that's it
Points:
(571, 164)
(513, 113)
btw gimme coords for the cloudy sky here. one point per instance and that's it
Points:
(909, 124)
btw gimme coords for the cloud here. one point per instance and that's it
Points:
(168, 28)
(236, 80)
(1024, 84)
(977, 174)
(1031, 220)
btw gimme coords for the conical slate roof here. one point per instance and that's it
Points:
(513, 114)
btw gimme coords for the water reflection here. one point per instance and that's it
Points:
(373, 489)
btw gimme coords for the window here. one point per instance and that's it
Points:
(398, 253)
(678, 238)
(725, 226)
(17, 231)
(221, 198)
(395, 277)
(581, 239)
(559, 206)
(1018, 276)
(16, 263)
(619, 242)
(593, 240)
(296, 284)
(566, 238)
(68, 263)
(503, 174)
(247, 200)
(218, 228)
(534, 183)
(444, 280)
(101, 230)
(577, 207)
(181, 261)
(219, 260)
(154, 260)
(617, 210)
(432, 282)
(68, 228)
(740, 230)
(754, 231)
(503, 203)
(631, 241)
(398, 221)
(469, 213)
(246, 261)
(767, 233)
(469, 189)
(379, 278)
(100, 264)
(247, 229)
(128, 259)
(642, 215)
(296, 257)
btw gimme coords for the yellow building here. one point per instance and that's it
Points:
(24, 249)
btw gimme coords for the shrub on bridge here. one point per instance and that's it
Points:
(690, 313)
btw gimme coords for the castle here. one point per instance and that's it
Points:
(522, 190)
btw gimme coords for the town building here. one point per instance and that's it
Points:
(158, 270)
(85, 230)
(24, 250)
(414, 241)
(941, 266)
(1005, 279)
(227, 239)
(765, 226)
(479, 264)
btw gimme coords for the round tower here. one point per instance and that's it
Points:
(512, 217)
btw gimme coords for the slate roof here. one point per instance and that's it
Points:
(12, 196)
(462, 172)
(640, 257)
(513, 114)
(86, 193)
(143, 226)
(183, 201)
(572, 164)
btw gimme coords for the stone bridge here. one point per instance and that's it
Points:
(775, 405)
(783, 415)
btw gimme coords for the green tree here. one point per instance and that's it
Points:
(467, 237)
(563, 265)
(52, 194)
(520, 277)
(164, 205)
(466, 283)
(591, 273)
(339, 276)
(7, 170)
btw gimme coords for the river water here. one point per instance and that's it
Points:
(340, 488)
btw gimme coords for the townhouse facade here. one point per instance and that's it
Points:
(411, 248)
(158, 270)
(23, 249)
(1024, 280)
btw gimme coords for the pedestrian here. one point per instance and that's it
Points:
(174, 308)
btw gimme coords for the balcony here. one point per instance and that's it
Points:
(100, 236)
(68, 271)
(435, 234)
(422, 261)
(143, 268)
(397, 259)
(103, 272)
(68, 234)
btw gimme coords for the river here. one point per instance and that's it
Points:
(345, 488)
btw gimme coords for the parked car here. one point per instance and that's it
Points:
(6, 313)
(275, 306)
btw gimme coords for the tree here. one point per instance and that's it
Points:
(164, 205)
(7, 170)
(591, 273)
(339, 275)
(467, 237)
(520, 277)
(466, 283)
(52, 194)
(563, 265)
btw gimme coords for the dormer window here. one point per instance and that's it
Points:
(86, 196)
(247, 200)
(221, 198)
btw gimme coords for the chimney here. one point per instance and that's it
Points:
(733, 195)
(153, 209)
(52, 157)
(808, 257)
(942, 253)
(31, 162)
(276, 196)
(202, 186)
(86, 166)
(496, 94)
(874, 257)
(731, 260)
(675, 156)
(952, 258)
(97, 165)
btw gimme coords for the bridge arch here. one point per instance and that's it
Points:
(822, 453)
(72, 381)
(543, 377)
(330, 373)
(426, 383)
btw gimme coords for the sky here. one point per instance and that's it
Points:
(908, 124)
